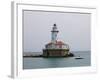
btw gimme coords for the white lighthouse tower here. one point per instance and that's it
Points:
(54, 33)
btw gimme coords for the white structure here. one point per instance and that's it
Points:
(54, 44)
(54, 33)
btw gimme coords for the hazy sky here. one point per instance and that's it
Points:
(74, 29)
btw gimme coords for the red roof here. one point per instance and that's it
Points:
(60, 43)
(57, 43)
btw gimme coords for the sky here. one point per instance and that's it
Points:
(74, 29)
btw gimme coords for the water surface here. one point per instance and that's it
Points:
(38, 63)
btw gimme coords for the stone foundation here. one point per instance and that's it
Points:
(55, 52)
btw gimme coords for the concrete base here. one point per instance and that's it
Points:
(55, 52)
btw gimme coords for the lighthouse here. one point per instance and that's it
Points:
(55, 48)
(54, 33)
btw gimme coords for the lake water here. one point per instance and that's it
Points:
(38, 63)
